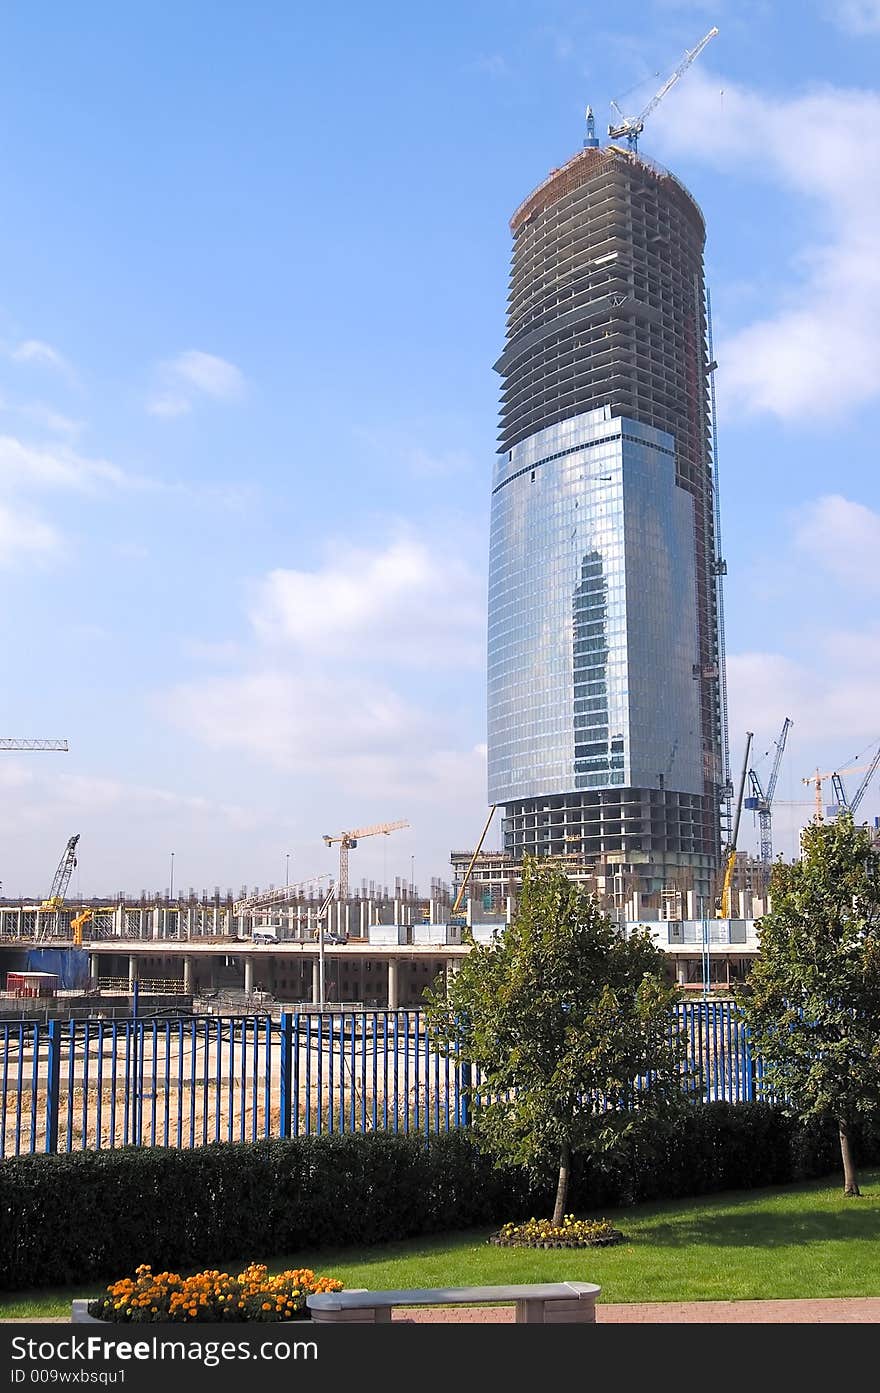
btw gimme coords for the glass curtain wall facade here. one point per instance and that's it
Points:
(603, 706)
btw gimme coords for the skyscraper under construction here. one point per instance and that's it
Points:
(605, 670)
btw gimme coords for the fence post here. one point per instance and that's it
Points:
(286, 1099)
(464, 1096)
(749, 1066)
(53, 1083)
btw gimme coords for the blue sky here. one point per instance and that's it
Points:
(255, 276)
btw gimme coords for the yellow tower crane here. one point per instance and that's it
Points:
(723, 908)
(348, 840)
(834, 774)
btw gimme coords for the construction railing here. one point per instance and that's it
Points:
(70, 1085)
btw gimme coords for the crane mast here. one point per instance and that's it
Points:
(631, 127)
(760, 802)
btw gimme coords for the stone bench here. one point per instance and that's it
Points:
(543, 1303)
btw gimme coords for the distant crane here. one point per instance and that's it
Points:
(851, 805)
(631, 127)
(834, 775)
(61, 879)
(348, 840)
(33, 744)
(265, 899)
(467, 875)
(760, 802)
(723, 910)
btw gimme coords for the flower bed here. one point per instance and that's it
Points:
(571, 1233)
(210, 1296)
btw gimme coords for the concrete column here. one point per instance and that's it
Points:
(248, 975)
(119, 921)
(680, 972)
(393, 1000)
(132, 970)
(691, 911)
(93, 969)
(187, 974)
(316, 982)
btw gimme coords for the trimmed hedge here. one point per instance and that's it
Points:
(96, 1214)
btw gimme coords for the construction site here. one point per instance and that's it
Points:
(320, 943)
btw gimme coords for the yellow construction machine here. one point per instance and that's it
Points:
(76, 925)
(722, 908)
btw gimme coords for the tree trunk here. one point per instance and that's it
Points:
(850, 1182)
(562, 1187)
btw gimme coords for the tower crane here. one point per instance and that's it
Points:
(723, 910)
(631, 127)
(8, 744)
(760, 802)
(348, 840)
(851, 805)
(834, 775)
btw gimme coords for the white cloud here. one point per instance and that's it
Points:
(51, 420)
(813, 354)
(56, 467)
(352, 732)
(495, 64)
(830, 689)
(411, 604)
(328, 693)
(169, 405)
(831, 696)
(856, 16)
(223, 651)
(841, 535)
(35, 351)
(406, 450)
(193, 374)
(22, 535)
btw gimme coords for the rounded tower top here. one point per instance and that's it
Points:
(593, 160)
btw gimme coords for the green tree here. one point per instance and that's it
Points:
(559, 1016)
(812, 998)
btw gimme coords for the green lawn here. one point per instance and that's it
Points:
(803, 1240)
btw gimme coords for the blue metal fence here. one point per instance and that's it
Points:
(77, 1085)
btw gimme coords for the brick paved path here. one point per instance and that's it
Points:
(848, 1310)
